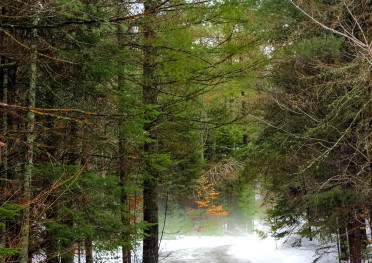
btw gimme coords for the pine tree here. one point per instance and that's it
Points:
(318, 124)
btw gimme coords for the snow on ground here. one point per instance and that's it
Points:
(243, 249)
(269, 250)
(233, 249)
(246, 248)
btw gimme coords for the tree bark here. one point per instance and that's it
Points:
(51, 246)
(354, 237)
(4, 148)
(202, 134)
(150, 182)
(15, 161)
(344, 253)
(25, 234)
(370, 139)
(244, 114)
(123, 180)
(124, 166)
(74, 158)
(88, 250)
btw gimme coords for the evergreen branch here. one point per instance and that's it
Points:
(33, 50)
(364, 46)
(80, 22)
(97, 21)
(348, 129)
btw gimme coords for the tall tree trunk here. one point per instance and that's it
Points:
(124, 168)
(150, 182)
(15, 161)
(67, 252)
(51, 240)
(370, 138)
(244, 114)
(203, 130)
(10, 232)
(88, 250)
(51, 246)
(74, 158)
(124, 173)
(123, 180)
(79, 253)
(4, 147)
(124, 162)
(354, 237)
(344, 253)
(25, 234)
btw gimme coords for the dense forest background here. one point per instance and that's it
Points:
(124, 121)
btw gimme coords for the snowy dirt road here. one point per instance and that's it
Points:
(234, 249)
(247, 249)
(202, 255)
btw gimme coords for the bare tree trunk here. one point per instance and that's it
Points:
(4, 147)
(79, 253)
(150, 182)
(354, 237)
(244, 114)
(344, 253)
(88, 250)
(51, 246)
(67, 252)
(123, 180)
(25, 233)
(370, 139)
(14, 173)
(124, 167)
(74, 158)
(202, 134)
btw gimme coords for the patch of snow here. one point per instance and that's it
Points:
(270, 250)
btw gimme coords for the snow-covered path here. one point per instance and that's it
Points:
(247, 249)
(234, 249)
(201, 255)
